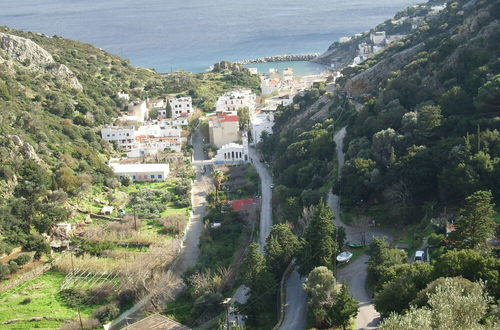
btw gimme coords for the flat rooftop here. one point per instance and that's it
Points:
(139, 168)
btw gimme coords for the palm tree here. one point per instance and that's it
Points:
(219, 178)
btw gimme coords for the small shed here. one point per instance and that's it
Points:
(107, 210)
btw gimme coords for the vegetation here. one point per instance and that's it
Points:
(451, 305)
(205, 88)
(330, 306)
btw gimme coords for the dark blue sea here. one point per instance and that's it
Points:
(193, 34)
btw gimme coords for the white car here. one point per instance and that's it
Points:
(419, 256)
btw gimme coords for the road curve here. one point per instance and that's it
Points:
(355, 273)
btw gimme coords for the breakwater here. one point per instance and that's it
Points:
(282, 58)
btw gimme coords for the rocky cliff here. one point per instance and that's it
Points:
(31, 55)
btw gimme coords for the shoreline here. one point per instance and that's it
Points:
(281, 58)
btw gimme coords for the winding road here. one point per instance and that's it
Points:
(355, 273)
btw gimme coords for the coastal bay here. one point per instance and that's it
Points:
(194, 34)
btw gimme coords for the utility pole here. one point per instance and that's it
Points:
(135, 219)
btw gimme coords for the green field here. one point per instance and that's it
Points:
(45, 301)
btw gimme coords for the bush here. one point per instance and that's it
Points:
(26, 301)
(4, 271)
(107, 313)
(87, 324)
(125, 298)
(100, 294)
(13, 266)
(73, 297)
(22, 259)
(435, 240)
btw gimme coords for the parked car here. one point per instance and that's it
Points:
(419, 256)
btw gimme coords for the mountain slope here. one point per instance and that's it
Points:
(422, 118)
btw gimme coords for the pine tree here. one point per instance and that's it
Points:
(475, 224)
(281, 247)
(319, 246)
(344, 309)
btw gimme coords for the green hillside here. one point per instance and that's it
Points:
(422, 117)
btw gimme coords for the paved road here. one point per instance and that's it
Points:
(355, 273)
(296, 303)
(266, 221)
(266, 217)
(201, 186)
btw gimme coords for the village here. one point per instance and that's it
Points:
(150, 134)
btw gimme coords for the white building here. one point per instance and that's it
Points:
(181, 107)
(235, 100)
(261, 123)
(139, 110)
(158, 104)
(153, 146)
(233, 153)
(181, 121)
(123, 136)
(378, 38)
(141, 172)
(123, 96)
(127, 138)
(253, 70)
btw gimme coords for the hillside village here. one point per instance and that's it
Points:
(149, 133)
(174, 206)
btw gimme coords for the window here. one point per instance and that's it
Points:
(160, 176)
(133, 177)
(152, 176)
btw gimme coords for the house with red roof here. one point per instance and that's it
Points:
(223, 129)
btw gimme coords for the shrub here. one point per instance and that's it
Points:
(126, 297)
(107, 313)
(22, 259)
(26, 301)
(4, 271)
(13, 266)
(87, 324)
(98, 295)
(173, 225)
(73, 297)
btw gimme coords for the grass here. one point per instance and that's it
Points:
(45, 301)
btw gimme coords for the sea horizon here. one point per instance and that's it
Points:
(193, 35)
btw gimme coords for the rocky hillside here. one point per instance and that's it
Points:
(422, 117)
(54, 94)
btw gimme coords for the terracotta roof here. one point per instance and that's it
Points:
(156, 321)
(241, 204)
(228, 118)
